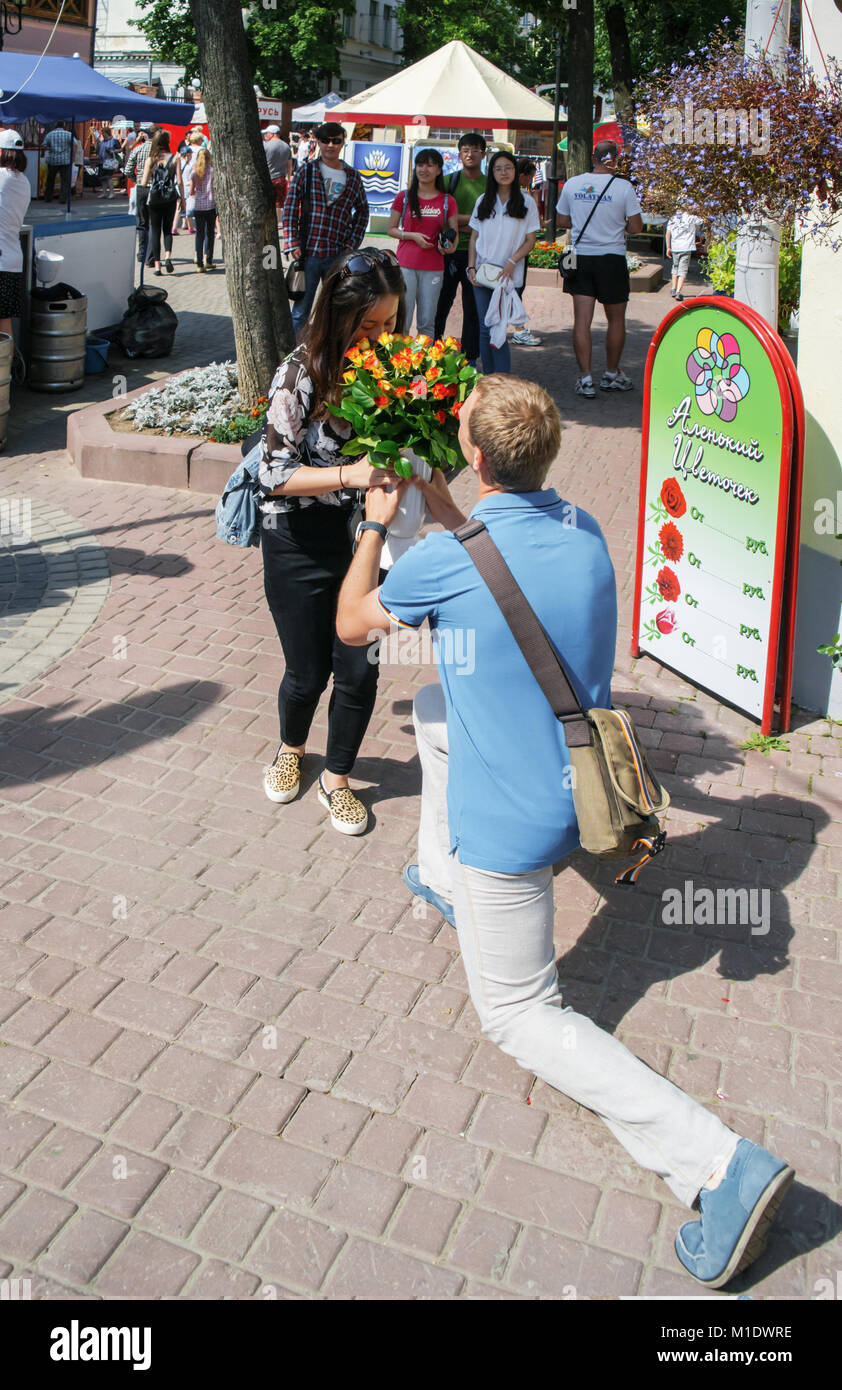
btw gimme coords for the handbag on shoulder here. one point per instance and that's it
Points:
(616, 795)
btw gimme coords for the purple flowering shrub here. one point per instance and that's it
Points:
(731, 135)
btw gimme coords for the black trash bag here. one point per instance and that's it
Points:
(148, 326)
(44, 294)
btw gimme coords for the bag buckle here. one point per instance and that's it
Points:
(653, 844)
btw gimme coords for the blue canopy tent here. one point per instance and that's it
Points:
(54, 89)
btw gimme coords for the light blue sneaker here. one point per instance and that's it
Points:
(736, 1216)
(413, 882)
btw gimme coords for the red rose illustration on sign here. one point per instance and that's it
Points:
(673, 498)
(671, 540)
(666, 621)
(668, 584)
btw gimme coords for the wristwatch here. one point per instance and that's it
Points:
(377, 526)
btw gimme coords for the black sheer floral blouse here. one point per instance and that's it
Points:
(292, 438)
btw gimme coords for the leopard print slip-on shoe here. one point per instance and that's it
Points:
(347, 813)
(282, 779)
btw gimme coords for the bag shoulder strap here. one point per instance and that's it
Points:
(539, 652)
(594, 208)
(454, 180)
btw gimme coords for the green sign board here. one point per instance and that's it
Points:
(715, 477)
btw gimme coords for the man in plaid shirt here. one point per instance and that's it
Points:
(337, 218)
(58, 145)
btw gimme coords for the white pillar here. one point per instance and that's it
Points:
(815, 685)
(759, 240)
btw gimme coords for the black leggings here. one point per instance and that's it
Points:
(160, 223)
(305, 558)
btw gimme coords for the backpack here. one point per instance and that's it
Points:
(162, 185)
(454, 180)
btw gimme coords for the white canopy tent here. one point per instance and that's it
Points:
(455, 86)
(315, 112)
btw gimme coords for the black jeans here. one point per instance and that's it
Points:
(205, 232)
(142, 218)
(63, 171)
(306, 555)
(160, 224)
(456, 274)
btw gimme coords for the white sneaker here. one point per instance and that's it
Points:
(615, 381)
(584, 387)
(526, 338)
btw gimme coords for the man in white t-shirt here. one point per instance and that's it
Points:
(601, 272)
(681, 243)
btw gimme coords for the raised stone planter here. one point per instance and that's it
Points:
(650, 277)
(643, 281)
(180, 461)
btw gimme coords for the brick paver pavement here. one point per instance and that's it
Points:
(235, 1055)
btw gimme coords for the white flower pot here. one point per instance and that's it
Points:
(412, 514)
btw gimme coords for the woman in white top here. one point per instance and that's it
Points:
(504, 225)
(15, 194)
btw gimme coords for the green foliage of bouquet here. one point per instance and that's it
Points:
(405, 393)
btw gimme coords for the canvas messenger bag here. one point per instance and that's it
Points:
(616, 795)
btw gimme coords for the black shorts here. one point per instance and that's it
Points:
(605, 278)
(11, 294)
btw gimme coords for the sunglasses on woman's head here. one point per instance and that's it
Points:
(367, 261)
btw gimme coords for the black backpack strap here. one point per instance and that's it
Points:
(454, 180)
(594, 208)
(540, 654)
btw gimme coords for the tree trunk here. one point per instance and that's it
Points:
(580, 61)
(245, 198)
(621, 64)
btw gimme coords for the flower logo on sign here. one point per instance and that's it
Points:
(720, 379)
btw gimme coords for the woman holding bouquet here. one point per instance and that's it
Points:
(420, 219)
(307, 492)
(504, 225)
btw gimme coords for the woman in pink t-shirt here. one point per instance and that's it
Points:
(420, 218)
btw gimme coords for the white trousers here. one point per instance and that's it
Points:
(505, 927)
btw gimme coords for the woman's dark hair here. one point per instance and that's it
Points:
(422, 157)
(516, 206)
(13, 159)
(160, 141)
(342, 305)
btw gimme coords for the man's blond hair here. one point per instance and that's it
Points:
(518, 428)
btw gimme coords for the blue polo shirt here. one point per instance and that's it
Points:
(510, 806)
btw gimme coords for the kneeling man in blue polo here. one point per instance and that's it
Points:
(497, 808)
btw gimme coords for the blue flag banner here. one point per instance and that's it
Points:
(379, 167)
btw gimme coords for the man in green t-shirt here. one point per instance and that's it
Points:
(466, 185)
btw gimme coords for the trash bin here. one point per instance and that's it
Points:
(7, 352)
(58, 329)
(96, 355)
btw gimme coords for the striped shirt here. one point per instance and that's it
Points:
(136, 161)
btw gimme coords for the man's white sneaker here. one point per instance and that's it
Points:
(526, 338)
(584, 387)
(615, 381)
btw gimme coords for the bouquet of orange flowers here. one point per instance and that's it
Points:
(405, 393)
